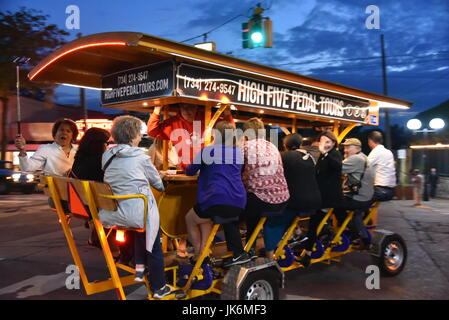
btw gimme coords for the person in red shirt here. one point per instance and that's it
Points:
(185, 130)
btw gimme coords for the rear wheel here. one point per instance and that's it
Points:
(393, 256)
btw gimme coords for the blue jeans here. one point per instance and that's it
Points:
(153, 260)
(383, 194)
(356, 226)
(275, 228)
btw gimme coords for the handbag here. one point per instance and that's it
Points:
(354, 188)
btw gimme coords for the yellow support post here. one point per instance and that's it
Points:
(68, 234)
(342, 228)
(104, 242)
(294, 125)
(253, 237)
(285, 130)
(202, 256)
(280, 249)
(372, 215)
(210, 123)
(207, 121)
(323, 222)
(343, 134)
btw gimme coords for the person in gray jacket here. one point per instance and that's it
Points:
(128, 170)
(358, 189)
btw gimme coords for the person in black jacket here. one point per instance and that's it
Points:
(87, 166)
(328, 171)
(305, 197)
(328, 175)
(299, 171)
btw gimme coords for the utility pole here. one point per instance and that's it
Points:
(384, 76)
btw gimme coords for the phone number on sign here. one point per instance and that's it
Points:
(212, 86)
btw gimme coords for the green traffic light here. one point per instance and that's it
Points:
(257, 37)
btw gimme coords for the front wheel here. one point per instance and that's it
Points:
(260, 285)
(393, 256)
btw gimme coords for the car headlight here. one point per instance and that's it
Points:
(30, 176)
(15, 176)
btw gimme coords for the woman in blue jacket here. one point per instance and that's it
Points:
(220, 193)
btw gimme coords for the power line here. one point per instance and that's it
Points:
(426, 83)
(373, 66)
(221, 25)
(224, 23)
(362, 58)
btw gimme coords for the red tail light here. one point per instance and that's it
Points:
(120, 236)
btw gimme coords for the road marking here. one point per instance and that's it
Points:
(36, 286)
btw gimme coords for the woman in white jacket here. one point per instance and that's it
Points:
(128, 170)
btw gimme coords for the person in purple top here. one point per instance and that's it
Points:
(220, 193)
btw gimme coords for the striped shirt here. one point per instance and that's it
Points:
(263, 173)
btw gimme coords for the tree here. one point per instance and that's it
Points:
(24, 33)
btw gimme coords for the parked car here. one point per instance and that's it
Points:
(11, 180)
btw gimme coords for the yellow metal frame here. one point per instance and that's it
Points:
(341, 135)
(328, 255)
(280, 252)
(132, 196)
(253, 237)
(116, 282)
(210, 123)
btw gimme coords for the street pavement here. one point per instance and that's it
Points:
(34, 257)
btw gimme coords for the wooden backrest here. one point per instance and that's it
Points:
(98, 188)
(73, 193)
(62, 185)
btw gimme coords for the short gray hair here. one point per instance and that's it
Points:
(125, 129)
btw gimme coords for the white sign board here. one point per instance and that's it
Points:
(402, 154)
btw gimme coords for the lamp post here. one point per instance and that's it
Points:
(19, 61)
(415, 125)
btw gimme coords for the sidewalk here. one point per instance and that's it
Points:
(435, 203)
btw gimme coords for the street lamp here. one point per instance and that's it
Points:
(415, 125)
(436, 123)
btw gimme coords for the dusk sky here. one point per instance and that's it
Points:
(322, 39)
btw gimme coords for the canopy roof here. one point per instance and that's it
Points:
(84, 61)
